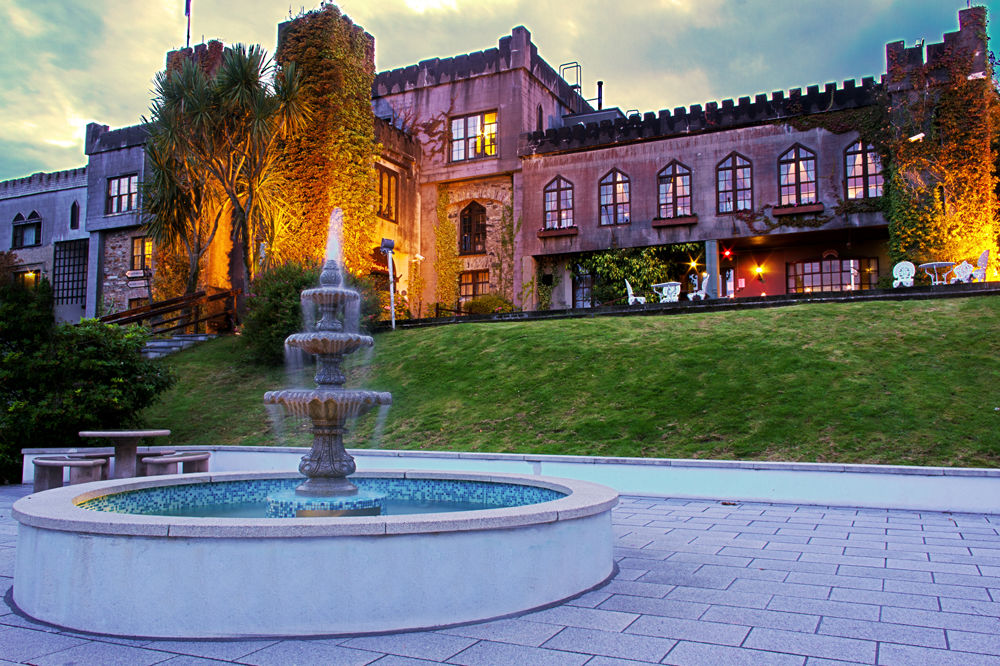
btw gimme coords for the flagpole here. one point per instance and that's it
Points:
(187, 12)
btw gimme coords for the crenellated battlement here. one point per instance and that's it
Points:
(712, 117)
(513, 51)
(968, 43)
(207, 56)
(42, 181)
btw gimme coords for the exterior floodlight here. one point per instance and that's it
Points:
(418, 257)
(916, 137)
(386, 248)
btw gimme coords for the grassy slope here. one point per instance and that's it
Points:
(897, 382)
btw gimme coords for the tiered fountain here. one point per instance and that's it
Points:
(327, 490)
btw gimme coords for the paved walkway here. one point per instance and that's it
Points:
(700, 582)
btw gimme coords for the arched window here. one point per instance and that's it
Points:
(614, 198)
(797, 176)
(472, 239)
(863, 171)
(74, 216)
(559, 204)
(674, 191)
(734, 178)
(26, 233)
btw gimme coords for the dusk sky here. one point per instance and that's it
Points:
(65, 63)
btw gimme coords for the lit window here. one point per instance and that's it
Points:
(388, 193)
(832, 274)
(26, 279)
(472, 284)
(26, 233)
(142, 253)
(474, 136)
(735, 184)
(797, 176)
(559, 204)
(123, 194)
(614, 196)
(472, 239)
(674, 190)
(863, 170)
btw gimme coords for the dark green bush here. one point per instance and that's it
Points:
(487, 304)
(56, 381)
(274, 311)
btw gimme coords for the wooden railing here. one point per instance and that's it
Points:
(178, 313)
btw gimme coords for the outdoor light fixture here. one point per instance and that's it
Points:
(916, 137)
(759, 270)
(386, 248)
(418, 257)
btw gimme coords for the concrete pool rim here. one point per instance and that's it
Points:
(368, 574)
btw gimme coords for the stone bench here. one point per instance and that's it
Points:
(106, 457)
(140, 466)
(49, 471)
(192, 462)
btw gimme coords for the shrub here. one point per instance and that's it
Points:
(488, 304)
(274, 311)
(90, 376)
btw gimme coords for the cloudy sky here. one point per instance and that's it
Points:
(64, 63)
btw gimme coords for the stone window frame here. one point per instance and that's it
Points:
(472, 230)
(736, 203)
(798, 177)
(673, 175)
(871, 176)
(116, 201)
(473, 284)
(20, 227)
(388, 193)
(468, 140)
(141, 256)
(557, 204)
(614, 198)
(74, 215)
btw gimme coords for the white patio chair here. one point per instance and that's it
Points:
(903, 273)
(980, 273)
(700, 294)
(962, 273)
(632, 299)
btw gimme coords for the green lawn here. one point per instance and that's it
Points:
(911, 382)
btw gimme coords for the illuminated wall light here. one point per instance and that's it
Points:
(759, 271)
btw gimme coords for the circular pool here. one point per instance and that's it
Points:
(84, 565)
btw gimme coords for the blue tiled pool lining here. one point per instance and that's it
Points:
(151, 501)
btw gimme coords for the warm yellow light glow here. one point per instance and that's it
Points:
(694, 265)
(758, 270)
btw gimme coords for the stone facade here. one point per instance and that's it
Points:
(120, 284)
(55, 202)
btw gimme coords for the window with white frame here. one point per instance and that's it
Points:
(863, 170)
(123, 194)
(474, 136)
(614, 198)
(734, 178)
(797, 176)
(674, 191)
(559, 204)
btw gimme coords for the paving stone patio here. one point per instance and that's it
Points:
(700, 582)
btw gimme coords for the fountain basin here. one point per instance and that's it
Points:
(181, 577)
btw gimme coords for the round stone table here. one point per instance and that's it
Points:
(126, 444)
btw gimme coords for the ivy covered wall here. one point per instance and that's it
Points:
(330, 163)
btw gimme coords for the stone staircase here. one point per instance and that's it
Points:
(158, 347)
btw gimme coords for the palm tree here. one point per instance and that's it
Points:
(226, 124)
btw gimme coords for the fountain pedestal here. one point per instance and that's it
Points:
(329, 405)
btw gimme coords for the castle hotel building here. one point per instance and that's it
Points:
(776, 205)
